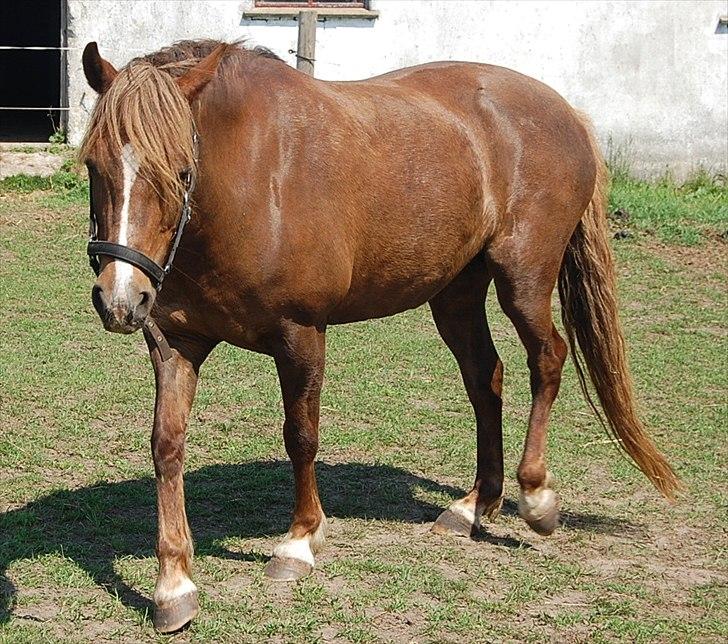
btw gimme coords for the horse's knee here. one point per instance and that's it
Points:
(300, 437)
(168, 452)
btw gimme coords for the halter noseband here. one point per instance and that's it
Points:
(148, 266)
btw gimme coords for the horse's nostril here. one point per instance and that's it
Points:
(98, 300)
(144, 305)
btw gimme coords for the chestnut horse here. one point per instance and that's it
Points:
(317, 203)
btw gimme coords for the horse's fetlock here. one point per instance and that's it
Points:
(532, 476)
(489, 491)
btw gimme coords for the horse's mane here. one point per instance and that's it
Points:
(145, 108)
(182, 55)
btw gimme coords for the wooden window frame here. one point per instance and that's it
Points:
(325, 9)
(312, 4)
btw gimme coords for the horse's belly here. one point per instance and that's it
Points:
(379, 302)
(404, 273)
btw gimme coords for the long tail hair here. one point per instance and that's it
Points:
(587, 288)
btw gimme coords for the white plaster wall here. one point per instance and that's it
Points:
(653, 75)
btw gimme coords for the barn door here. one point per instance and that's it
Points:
(32, 69)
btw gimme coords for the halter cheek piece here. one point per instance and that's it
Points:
(148, 266)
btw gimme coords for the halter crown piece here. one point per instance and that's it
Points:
(148, 266)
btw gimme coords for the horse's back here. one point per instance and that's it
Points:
(455, 153)
(518, 134)
(520, 123)
(370, 196)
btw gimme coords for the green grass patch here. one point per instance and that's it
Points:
(675, 213)
(77, 504)
(63, 188)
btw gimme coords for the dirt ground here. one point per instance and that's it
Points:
(36, 163)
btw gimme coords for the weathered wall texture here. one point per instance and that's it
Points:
(652, 75)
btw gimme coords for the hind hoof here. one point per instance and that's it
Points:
(287, 569)
(545, 525)
(174, 615)
(540, 510)
(450, 522)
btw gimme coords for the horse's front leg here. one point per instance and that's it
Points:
(175, 596)
(300, 364)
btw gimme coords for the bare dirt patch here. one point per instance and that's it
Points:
(705, 260)
(34, 164)
(24, 211)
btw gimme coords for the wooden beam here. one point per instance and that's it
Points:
(306, 41)
(323, 13)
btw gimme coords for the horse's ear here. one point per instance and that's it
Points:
(194, 80)
(100, 73)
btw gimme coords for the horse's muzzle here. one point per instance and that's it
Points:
(122, 313)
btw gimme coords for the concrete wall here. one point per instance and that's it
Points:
(653, 75)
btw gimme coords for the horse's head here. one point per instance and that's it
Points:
(140, 153)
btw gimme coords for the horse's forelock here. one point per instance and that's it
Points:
(145, 108)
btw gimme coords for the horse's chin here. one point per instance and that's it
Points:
(114, 326)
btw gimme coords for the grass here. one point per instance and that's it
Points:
(684, 214)
(77, 509)
(65, 187)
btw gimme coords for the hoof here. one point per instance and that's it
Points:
(172, 616)
(546, 524)
(287, 569)
(450, 522)
(540, 510)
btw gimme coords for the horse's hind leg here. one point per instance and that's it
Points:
(300, 363)
(459, 313)
(524, 283)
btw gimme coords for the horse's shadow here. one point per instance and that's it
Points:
(95, 525)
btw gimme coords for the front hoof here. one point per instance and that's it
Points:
(287, 569)
(450, 522)
(540, 510)
(172, 616)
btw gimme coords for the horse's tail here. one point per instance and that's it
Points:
(587, 287)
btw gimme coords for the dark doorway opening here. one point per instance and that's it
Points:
(30, 78)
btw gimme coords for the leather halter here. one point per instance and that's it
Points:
(148, 266)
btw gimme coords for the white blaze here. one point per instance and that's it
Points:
(130, 168)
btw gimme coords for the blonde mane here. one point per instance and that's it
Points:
(145, 108)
